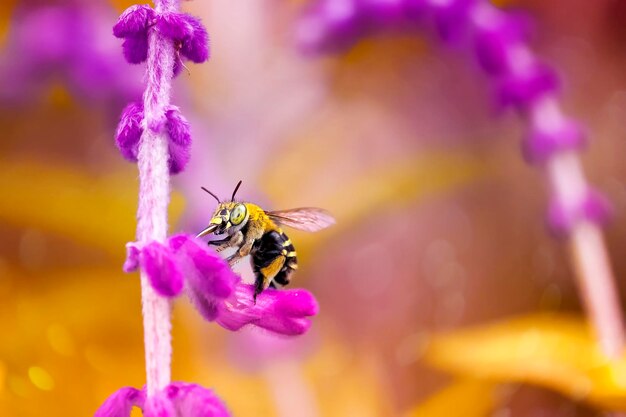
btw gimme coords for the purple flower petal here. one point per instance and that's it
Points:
(136, 48)
(120, 403)
(132, 257)
(191, 400)
(210, 280)
(281, 311)
(176, 26)
(134, 21)
(129, 131)
(196, 47)
(160, 266)
(179, 132)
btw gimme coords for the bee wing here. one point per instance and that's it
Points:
(308, 219)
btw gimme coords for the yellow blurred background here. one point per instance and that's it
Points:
(440, 224)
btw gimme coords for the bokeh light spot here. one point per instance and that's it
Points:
(40, 378)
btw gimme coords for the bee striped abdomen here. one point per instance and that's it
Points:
(273, 259)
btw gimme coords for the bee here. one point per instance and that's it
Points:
(256, 232)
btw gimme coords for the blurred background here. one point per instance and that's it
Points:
(440, 222)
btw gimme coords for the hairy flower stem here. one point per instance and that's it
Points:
(154, 198)
(590, 258)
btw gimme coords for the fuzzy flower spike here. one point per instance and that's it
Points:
(156, 135)
(499, 40)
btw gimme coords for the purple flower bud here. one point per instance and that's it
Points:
(134, 21)
(520, 90)
(129, 131)
(160, 266)
(135, 48)
(120, 403)
(281, 311)
(178, 399)
(495, 36)
(540, 146)
(174, 25)
(451, 18)
(179, 132)
(196, 47)
(563, 216)
(188, 34)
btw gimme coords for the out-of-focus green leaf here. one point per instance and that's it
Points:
(554, 351)
(471, 398)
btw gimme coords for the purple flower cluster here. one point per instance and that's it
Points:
(499, 40)
(178, 399)
(66, 43)
(215, 290)
(190, 41)
(189, 36)
(130, 129)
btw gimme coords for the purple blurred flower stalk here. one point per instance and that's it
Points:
(522, 81)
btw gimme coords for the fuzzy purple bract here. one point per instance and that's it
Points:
(190, 38)
(130, 129)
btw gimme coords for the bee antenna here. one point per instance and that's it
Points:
(235, 192)
(214, 196)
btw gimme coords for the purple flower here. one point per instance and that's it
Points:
(563, 216)
(130, 129)
(189, 36)
(66, 42)
(178, 399)
(216, 292)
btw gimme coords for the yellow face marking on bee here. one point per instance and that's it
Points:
(216, 220)
(287, 242)
(291, 254)
(284, 252)
(293, 265)
(228, 225)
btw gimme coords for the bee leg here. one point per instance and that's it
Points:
(220, 245)
(258, 287)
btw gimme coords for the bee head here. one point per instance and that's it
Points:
(229, 217)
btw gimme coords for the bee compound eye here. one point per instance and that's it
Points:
(238, 214)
